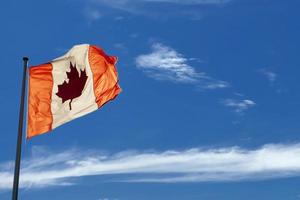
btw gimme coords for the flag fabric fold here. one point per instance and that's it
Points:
(73, 85)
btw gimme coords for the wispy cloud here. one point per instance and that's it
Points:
(92, 14)
(165, 63)
(121, 4)
(270, 75)
(192, 165)
(239, 106)
(186, 2)
(157, 8)
(107, 199)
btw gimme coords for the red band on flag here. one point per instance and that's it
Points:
(39, 100)
(105, 75)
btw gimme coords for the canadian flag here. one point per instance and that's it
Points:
(75, 84)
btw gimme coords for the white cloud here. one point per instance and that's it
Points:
(165, 63)
(271, 76)
(192, 165)
(239, 106)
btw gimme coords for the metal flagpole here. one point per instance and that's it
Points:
(20, 131)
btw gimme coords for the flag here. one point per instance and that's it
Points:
(73, 85)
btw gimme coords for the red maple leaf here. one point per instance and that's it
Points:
(73, 88)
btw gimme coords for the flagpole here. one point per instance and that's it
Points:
(20, 131)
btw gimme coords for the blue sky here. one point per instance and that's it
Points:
(209, 109)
